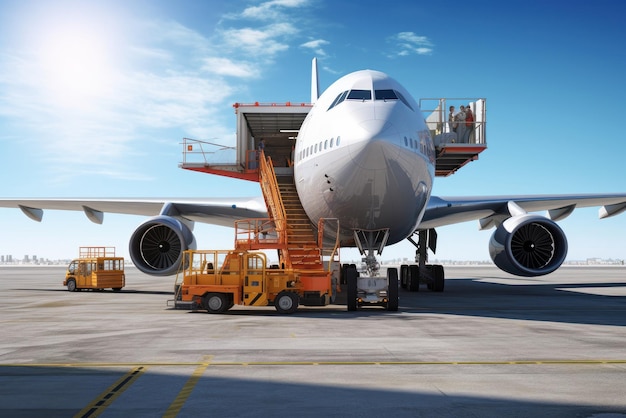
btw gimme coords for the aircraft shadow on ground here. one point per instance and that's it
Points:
(66, 391)
(556, 302)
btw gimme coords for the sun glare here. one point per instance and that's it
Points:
(75, 58)
(75, 64)
(73, 61)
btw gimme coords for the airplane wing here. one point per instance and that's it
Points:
(218, 211)
(491, 210)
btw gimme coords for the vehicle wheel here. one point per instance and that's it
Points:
(413, 283)
(438, 278)
(404, 272)
(392, 291)
(215, 302)
(71, 285)
(117, 289)
(286, 302)
(352, 279)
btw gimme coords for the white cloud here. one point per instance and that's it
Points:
(227, 67)
(266, 41)
(408, 43)
(271, 10)
(316, 46)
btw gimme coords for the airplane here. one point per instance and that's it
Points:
(365, 156)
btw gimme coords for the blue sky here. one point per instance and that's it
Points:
(96, 96)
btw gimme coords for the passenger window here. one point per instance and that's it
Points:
(337, 141)
(332, 140)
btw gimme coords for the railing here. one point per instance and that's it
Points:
(94, 252)
(330, 226)
(196, 151)
(257, 233)
(443, 131)
(271, 193)
(259, 104)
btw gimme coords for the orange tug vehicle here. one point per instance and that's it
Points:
(96, 268)
(216, 280)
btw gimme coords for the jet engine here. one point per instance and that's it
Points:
(528, 245)
(156, 247)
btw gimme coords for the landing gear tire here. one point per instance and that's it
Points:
(392, 291)
(404, 273)
(286, 302)
(216, 303)
(71, 285)
(413, 280)
(351, 277)
(438, 278)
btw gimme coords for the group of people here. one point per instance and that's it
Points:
(462, 123)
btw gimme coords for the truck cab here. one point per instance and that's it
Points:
(96, 268)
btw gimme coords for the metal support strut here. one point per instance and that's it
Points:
(368, 242)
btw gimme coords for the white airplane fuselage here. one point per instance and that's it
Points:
(365, 157)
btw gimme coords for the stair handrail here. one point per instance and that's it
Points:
(320, 237)
(273, 198)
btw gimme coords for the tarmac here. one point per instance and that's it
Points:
(491, 345)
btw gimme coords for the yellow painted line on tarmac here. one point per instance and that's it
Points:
(102, 401)
(319, 363)
(184, 393)
(415, 363)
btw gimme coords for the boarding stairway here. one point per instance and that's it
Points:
(302, 248)
(289, 231)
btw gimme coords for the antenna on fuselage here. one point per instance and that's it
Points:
(315, 92)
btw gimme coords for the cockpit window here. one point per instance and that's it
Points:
(385, 95)
(360, 95)
(403, 100)
(340, 98)
(389, 94)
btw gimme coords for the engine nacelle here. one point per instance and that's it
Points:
(156, 247)
(528, 245)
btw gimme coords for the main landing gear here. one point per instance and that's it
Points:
(411, 276)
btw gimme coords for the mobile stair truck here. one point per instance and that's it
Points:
(96, 268)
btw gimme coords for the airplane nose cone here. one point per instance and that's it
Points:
(376, 138)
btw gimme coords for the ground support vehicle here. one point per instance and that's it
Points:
(371, 291)
(96, 268)
(216, 280)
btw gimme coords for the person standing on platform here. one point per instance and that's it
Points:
(451, 123)
(459, 119)
(469, 125)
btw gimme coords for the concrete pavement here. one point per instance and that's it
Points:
(490, 345)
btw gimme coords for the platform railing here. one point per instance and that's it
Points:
(196, 151)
